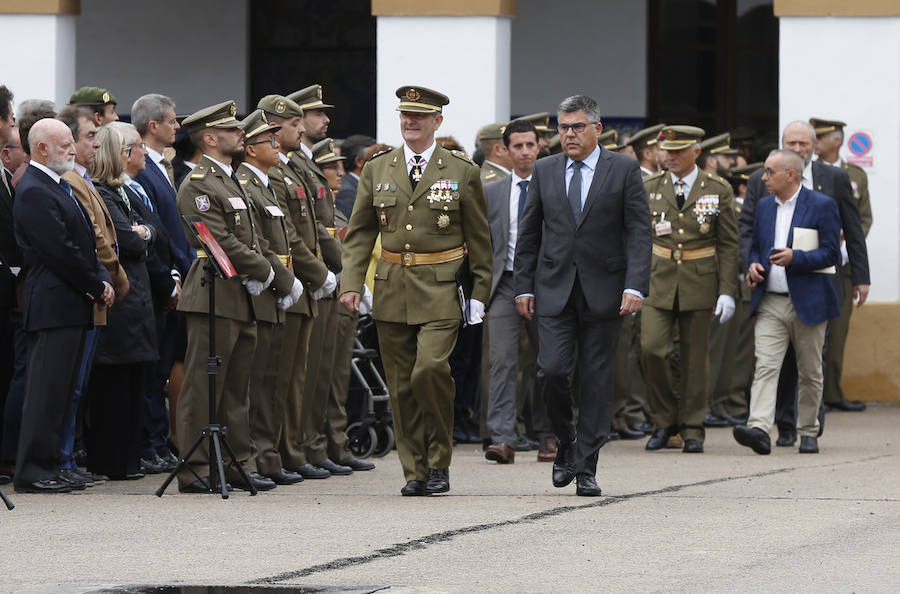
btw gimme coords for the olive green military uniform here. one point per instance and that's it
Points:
(692, 265)
(211, 194)
(491, 171)
(416, 305)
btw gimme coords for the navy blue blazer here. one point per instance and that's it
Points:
(812, 293)
(346, 196)
(64, 276)
(162, 194)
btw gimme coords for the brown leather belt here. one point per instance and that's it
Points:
(679, 255)
(414, 259)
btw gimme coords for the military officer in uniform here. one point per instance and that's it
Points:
(428, 205)
(295, 197)
(98, 100)
(694, 271)
(496, 158)
(829, 138)
(213, 193)
(646, 148)
(541, 123)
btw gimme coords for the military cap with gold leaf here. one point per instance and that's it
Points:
(491, 131)
(675, 138)
(718, 145)
(220, 115)
(609, 139)
(745, 171)
(421, 100)
(826, 126)
(541, 121)
(92, 96)
(256, 123)
(280, 106)
(309, 98)
(646, 137)
(323, 152)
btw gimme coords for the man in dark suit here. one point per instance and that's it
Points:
(582, 262)
(64, 279)
(800, 136)
(354, 149)
(794, 296)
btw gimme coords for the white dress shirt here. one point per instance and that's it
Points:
(306, 150)
(158, 160)
(808, 176)
(262, 176)
(226, 168)
(500, 167)
(408, 154)
(53, 175)
(784, 213)
(514, 191)
(589, 164)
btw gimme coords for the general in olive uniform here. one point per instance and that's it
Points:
(428, 205)
(212, 193)
(693, 273)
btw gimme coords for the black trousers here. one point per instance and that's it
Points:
(596, 339)
(113, 424)
(54, 356)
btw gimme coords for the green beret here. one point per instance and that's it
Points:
(91, 96)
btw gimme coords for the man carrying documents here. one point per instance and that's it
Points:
(795, 247)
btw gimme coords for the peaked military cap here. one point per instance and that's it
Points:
(541, 121)
(719, 145)
(280, 106)
(646, 137)
(220, 115)
(826, 126)
(421, 100)
(555, 146)
(675, 138)
(323, 152)
(491, 132)
(609, 139)
(91, 96)
(309, 98)
(256, 123)
(745, 171)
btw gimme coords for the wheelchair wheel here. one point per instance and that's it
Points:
(385, 435)
(361, 439)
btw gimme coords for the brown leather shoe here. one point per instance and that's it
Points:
(547, 449)
(500, 452)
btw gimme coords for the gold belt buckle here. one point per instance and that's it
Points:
(407, 258)
(677, 255)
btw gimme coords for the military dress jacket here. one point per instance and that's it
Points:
(859, 181)
(707, 220)
(211, 194)
(446, 210)
(320, 196)
(490, 172)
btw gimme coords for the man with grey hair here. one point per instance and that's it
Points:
(800, 136)
(586, 217)
(64, 281)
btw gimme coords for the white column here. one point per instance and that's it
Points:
(465, 57)
(39, 56)
(848, 69)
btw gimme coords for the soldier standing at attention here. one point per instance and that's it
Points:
(694, 261)
(428, 205)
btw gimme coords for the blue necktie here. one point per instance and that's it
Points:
(87, 178)
(68, 190)
(523, 192)
(140, 192)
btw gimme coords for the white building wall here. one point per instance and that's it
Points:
(849, 69)
(39, 57)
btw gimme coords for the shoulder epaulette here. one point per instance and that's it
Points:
(463, 156)
(654, 176)
(379, 153)
(199, 172)
(715, 177)
(853, 166)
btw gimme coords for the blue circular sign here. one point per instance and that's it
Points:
(859, 144)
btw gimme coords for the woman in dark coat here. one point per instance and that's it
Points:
(127, 346)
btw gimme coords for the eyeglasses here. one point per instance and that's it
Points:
(576, 128)
(770, 172)
(129, 147)
(272, 140)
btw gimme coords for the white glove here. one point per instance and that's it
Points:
(255, 287)
(327, 287)
(365, 303)
(844, 256)
(724, 308)
(291, 298)
(476, 311)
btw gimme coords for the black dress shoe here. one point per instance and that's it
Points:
(629, 433)
(809, 444)
(786, 439)
(73, 480)
(152, 465)
(644, 427)
(733, 420)
(72, 475)
(614, 436)
(564, 466)
(335, 469)
(260, 482)
(438, 480)
(754, 438)
(413, 489)
(284, 477)
(660, 438)
(357, 464)
(5, 479)
(45, 486)
(91, 477)
(169, 459)
(308, 471)
(692, 446)
(586, 486)
(198, 486)
(711, 420)
(848, 405)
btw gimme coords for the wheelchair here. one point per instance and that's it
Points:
(372, 433)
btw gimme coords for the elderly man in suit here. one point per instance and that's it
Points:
(794, 296)
(834, 182)
(64, 280)
(354, 150)
(582, 262)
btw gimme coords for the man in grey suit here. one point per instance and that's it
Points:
(505, 203)
(582, 262)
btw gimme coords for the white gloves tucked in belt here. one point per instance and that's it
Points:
(476, 311)
(365, 302)
(724, 308)
(255, 287)
(291, 298)
(327, 287)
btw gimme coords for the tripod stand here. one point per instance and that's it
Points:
(6, 501)
(215, 433)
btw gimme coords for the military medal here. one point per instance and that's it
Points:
(704, 227)
(417, 173)
(443, 221)
(393, 187)
(237, 218)
(383, 218)
(378, 188)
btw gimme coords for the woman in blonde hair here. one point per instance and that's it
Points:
(128, 344)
